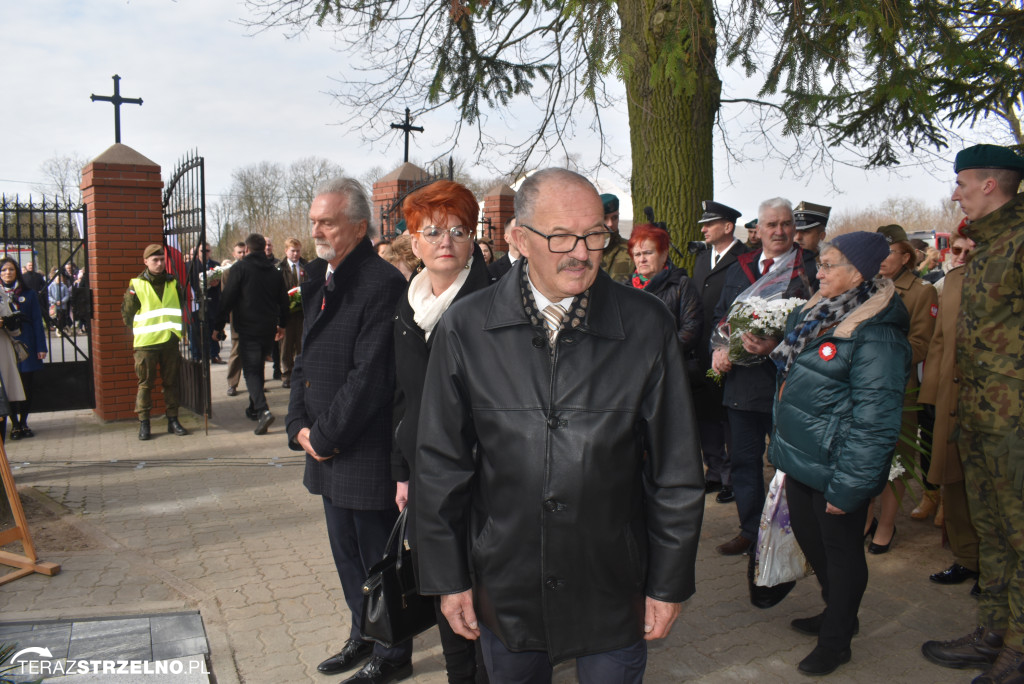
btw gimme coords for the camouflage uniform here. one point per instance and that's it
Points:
(990, 355)
(616, 261)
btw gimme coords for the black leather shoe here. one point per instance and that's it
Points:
(251, 414)
(354, 653)
(812, 625)
(26, 432)
(725, 496)
(266, 418)
(144, 430)
(712, 486)
(380, 671)
(173, 426)
(954, 574)
(878, 549)
(285, 384)
(872, 529)
(823, 661)
(232, 391)
(735, 546)
(16, 433)
(977, 649)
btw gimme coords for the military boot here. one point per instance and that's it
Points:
(1008, 669)
(175, 427)
(977, 649)
(144, 429)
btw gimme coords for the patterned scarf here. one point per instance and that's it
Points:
(824, 314)
(574, 317)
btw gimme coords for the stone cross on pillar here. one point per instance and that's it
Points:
(117, 101)
(407, 127)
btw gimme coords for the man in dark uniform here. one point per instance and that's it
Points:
(990, 347)
(718, 224)
(810, 220)
(152, 307)
(753, 241)
(293, 269)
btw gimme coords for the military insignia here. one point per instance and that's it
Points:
(934, 310)
(827, 351)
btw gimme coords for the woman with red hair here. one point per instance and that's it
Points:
(649, 245)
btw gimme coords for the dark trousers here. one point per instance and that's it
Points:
(622, 666)
(357, 540)
(714, 445)
(749, 431)
(834, 546)
(21, 409)
(460, 654)
(253, 352)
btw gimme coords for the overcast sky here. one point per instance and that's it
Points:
(241, 99)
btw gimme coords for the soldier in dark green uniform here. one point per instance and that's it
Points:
(615, 261)
(990, 356)
(152, 307)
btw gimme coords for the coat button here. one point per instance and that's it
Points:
(539, 342)
(554, 423)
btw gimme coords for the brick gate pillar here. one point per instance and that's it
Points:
(499, 207)
(122, 193)
(390, 188)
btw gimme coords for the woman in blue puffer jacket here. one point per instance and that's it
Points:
(843, 368)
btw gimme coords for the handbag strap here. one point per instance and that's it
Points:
(397, 536)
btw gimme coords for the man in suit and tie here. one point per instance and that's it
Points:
(503, 265)
(339, 411)
(293, 268)
(718, 224)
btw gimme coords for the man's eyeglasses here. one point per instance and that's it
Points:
(560, 243)
(434, 234)
(958, 250)
(826, 267)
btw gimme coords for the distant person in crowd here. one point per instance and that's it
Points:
(441, 219)
(25, 307)
(340, 409)
(749, 390)
(929, 270)
(657, 275)
(152, 308)
(208, 290)
(402, 256)
(36, 282)
(487, 249)
(293, 269)
(753, 240)
(383, 248)
(503, 265)
(558, 528)
(615, 260)
(81, 302)
(257, 301)
(718, 225)
(59, 295)
(269, 251)
(10, 326)
(922, 302)
(275, 349)
(234, 360)
(990, 346)
(940, 389)
(811, 220)
(843, 364)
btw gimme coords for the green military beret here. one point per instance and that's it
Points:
(610, 202)
(750, 225)
(988, 157)
(893, 233)
(400, 227)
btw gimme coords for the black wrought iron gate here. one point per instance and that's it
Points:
(50, 234)
(185, 242)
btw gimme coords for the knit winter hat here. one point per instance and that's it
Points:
(866, 251)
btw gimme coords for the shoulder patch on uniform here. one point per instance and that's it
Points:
(934, 310)
(827, 351)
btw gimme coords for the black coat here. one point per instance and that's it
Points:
(752, 388)
(499, 268)
(344, 379)
(709, 282)
(675, 288)
(412, 351)
(567, 484)
(256, 295)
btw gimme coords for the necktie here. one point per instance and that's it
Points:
(553, 315)
(295, 269)
(327, 281)
(767, 265)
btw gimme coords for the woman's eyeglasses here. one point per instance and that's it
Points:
(434, 234)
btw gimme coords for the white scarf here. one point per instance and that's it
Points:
(428, 307)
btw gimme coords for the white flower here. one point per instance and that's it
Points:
(896, 469)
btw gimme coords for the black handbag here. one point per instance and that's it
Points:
(393, 611)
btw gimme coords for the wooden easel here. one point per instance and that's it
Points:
(28, 563)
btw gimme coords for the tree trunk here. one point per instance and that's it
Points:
(673, 92)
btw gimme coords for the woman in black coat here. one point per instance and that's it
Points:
(649, 245)
(442, 220)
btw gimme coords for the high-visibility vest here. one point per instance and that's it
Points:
(158, 319)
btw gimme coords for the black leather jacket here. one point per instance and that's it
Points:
(561, 486)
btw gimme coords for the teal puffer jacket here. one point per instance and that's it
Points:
(837, 414)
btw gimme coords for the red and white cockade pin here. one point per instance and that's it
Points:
(827, 351)
(934, 311)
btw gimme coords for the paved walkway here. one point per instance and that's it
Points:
(220, 524)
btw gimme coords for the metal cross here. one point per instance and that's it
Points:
(407, 127)
(117, 101)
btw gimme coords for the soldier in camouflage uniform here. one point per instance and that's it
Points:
(990, 355)
(615, 261)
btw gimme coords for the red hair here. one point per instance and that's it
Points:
(439, 198)
(649, 231)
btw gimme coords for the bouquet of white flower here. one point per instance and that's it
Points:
(757, 316)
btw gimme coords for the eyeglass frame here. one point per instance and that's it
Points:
(606, 233)
(468, 234)
(827, 267)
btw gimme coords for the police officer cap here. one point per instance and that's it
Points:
(716, 211)
(750, 225)
(988, 157)
(610, 202)
(808, 215)
(152, 250)
(893, 233)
